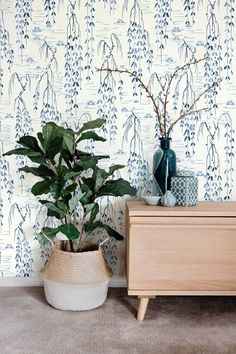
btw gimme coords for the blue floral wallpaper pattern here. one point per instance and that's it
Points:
(49, 52)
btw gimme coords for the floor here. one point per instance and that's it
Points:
(173, 325)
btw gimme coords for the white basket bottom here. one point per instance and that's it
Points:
(75, 297)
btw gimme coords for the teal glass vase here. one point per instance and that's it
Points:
(164, 164)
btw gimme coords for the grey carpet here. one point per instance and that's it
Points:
(173, 325)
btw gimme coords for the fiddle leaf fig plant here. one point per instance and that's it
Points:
(71, 180)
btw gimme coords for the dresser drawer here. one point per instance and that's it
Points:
(182, 254)
(180, 251)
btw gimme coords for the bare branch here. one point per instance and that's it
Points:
(190, 110)
(162, 118)
(149, 94)
(172, 77)
(184, 115)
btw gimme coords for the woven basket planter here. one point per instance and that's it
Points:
(76, 281)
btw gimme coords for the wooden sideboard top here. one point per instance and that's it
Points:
(204, 208)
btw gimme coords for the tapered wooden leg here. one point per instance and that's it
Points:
(143, 303)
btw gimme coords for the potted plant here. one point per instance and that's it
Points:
(76, 276)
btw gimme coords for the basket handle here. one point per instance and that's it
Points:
(104, 241)
(53, 244)
(47, 238)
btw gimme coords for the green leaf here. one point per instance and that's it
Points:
(53, 214)
(54, 147)
(100, 157)
(41, 138)
(71, 232)
(88, 207)
(116, 188)
(51, 206)
(69, 140)
(51, 131)
(93, 124)
(55, 189)
(42, 187)
(69, 189)
(93, 213)
(67, 157)
(75, 200)
(53, 137)
(22, 151)
(62, 170)
(113, 233)
(83, 155)
(87, 193)
(99, 179)
(61, 205)
(114, 168)
(90, 135)
(33, 170)
(49, 232)
(30, 142)
(46, 172)
(89, 163)
(41, 171)
(98, 224)
(36, 157)
(71, 174)
(42, 240)
(89, 182)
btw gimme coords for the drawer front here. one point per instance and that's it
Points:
(198, 257)
(175, 220)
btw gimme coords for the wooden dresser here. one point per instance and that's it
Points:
(180, 250)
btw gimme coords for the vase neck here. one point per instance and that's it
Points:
(165, 143)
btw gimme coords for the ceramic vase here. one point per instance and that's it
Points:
(164, 164)
(168, 199)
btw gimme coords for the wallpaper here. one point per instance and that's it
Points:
(50, 51)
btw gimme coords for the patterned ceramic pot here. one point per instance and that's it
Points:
(184, 187)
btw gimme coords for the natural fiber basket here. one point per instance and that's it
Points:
(76, 268)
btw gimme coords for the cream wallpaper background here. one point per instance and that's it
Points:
(49, 50)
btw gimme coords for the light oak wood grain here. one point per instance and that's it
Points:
(181, 251)
(204, 208)
(143, 303)
(150, 293)
(177, 220)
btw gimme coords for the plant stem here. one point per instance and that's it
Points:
(163, 127)
(71, 246)
(149, 94)
(53, 168)
(190, 111)
(172, 77)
